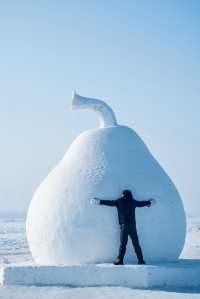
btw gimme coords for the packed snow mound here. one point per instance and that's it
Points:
(62, 226)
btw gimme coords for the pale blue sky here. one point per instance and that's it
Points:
(143, 57)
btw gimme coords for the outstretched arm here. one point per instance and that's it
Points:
(142, 203)
(108, 202)
(98, 201)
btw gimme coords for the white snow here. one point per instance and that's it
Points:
(104, 112)
(13, 244)
(93, 293)
(184, 273)
(62, 226)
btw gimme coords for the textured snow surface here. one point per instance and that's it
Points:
(62, 226)
(93, 293)
(13, 243)
(183, 273)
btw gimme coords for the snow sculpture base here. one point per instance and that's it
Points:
(183, 273)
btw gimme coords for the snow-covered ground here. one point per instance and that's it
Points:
(13, 247)
(192, 244)
(91, 293)
(13, 244)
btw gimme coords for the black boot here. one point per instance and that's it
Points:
(118, 262)
(142, 262)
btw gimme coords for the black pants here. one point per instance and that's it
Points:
(125, 231)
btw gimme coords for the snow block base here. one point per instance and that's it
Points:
(183, 273)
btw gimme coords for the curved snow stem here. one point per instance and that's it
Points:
(106, 115)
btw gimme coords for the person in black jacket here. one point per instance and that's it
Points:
(126, 214)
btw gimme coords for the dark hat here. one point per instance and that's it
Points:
(127, 194)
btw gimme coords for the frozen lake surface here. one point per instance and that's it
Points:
(13, 244)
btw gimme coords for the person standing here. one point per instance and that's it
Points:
(126, 214)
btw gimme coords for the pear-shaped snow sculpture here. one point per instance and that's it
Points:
(64, 228)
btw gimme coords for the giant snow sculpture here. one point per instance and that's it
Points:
(62, 226)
